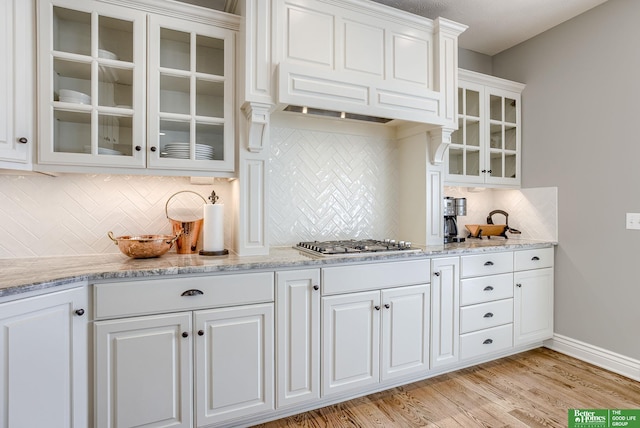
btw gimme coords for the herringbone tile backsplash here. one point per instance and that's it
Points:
(71, 214)
(324, 185)
(331, 186)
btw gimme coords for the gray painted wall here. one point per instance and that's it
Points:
(474, 61)
(581, 110)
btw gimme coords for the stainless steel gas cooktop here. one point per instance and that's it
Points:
(354, 247)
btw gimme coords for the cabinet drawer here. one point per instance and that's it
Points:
(487, 341)
(533, 259)
(346, 279)
(150, 296)
(486, 264)
(486, 315)
(486, 289)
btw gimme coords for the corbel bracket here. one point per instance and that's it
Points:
(258, 116)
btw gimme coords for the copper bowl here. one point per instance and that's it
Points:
(144, 246)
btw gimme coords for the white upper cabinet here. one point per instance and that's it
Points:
(99, 61)
(17, 84)
(486, 148)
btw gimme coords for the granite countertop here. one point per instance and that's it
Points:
(40, 273)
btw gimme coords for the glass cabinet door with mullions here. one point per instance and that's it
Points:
(92, 97)
(190, 96)
(503, 137)
(465, 159)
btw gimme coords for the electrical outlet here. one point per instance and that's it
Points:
(633, 220)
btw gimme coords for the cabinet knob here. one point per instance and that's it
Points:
(80, 312)
(154, 148)
(315, 287)
(200, 332)
(489, 263)
(436, 273)
(488, 288)
(488, 342)
(519, 285)
(138, 148)
(535, 258)
(490, 171)
(377, 308)
(23, 140)
(192, 292)
(387, 305)
(185, 334)
(488, 315)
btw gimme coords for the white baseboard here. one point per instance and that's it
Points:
(603, 358)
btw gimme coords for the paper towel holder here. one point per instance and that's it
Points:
(214, 198)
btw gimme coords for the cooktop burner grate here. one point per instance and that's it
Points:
(352, 247)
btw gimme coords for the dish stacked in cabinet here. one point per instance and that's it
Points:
(486, 304)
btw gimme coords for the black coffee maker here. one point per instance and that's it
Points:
(453, 207)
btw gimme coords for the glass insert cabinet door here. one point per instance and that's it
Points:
(190, 95)
(92, 96)
(466, 153)
(504, 144)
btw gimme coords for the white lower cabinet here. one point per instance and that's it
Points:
(533, 296)
(297, 336)
(201, 367)
(445, 303)
(44, 361)
(375, 335)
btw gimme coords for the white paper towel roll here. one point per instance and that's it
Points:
(213, 228)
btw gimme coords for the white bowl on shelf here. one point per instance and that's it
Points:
(70, 96)
(103, 53)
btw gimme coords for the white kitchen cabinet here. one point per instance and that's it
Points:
(533, 296)
(375, 335)
(143, 371)
(97, 59)
(44, 360)
(234, 363)
(297, 336)
(202, 347)
(445, 316)
(486, 148)
(17, 84)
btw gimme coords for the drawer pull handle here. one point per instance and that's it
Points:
(519, 285)
(315, 287)
(185, 334)
(387, 305)
(436, 273)
(488, 288)
(192, 292)
(488, 315)
(489, 263)
(377, 308)
(535, 258)
(488, 342)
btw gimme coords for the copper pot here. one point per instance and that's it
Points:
(144, 246)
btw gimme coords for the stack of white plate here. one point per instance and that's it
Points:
(181, 151)
(69, 96)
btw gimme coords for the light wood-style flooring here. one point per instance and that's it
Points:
(532, 389)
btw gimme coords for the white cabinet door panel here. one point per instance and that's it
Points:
(234, 362)
(405, 331)
(43, 361)
(144, 372)
(445, 316)
(298, 336)
(350, 341)
(533, 305)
